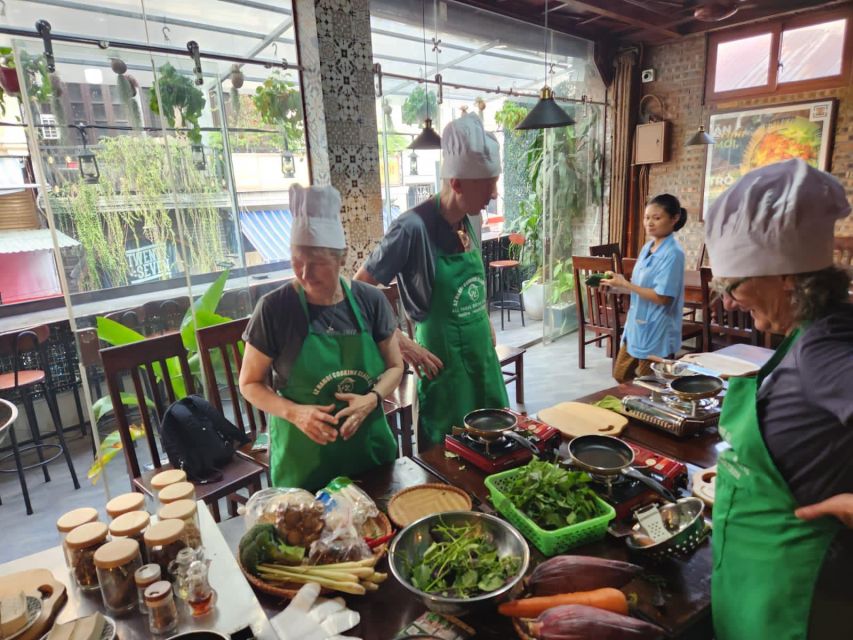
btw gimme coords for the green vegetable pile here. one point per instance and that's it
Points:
(462, 562)
(263, 545)
(595, 279)
(552, 496)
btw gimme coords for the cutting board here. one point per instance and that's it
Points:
(704, 483)
(38, 583)
(579, 419)
(723, 366)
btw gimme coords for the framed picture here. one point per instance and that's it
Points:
(748, 139)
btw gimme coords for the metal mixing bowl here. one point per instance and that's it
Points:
(412, 542)
(670, 369)
(683, 520)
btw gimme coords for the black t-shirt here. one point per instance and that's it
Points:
(278, 326)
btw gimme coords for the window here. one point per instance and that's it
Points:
(781, 57)
(48, 128)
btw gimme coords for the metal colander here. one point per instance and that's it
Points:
(675, 529)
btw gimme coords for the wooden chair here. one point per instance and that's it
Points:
(166, 315)
(612, 251)
(595, 307)
(515, 357)
(843, 251)
(732, 326)
(145, 356)
(131, 318)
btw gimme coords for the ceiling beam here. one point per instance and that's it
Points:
(447, 65)
(620, 13)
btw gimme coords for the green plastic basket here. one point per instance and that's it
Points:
(548, 542)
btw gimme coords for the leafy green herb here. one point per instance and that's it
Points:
(551, 496)
(462, 562)
(595, 279)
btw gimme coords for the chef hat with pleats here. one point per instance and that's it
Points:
(468, 151)
(776, 220)
(316, 217)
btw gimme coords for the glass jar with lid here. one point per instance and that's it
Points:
(132, 525)
(125, 503)
(82, 543)
(167, 477)
(145, 576)
(116, 563)
(163, 541)
(186, 510)
(69, 521)
(162, 611)
(177, 491)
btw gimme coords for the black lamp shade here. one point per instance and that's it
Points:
(427, 138)
(88, 165)
(288, 165)
(197, 152)
(699, 138)
(413, 164)
(546, 114)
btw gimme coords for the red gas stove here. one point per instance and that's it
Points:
(503, 453)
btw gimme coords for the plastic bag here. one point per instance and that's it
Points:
(345, 503)
(296, 514)
(341, 543)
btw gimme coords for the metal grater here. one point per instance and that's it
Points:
(650, 520)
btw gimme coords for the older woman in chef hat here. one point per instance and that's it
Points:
(769, 239)
(333, 353)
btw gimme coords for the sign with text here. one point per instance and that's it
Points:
(146, 263)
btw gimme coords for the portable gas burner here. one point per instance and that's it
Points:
(669, 412)
(503, 453)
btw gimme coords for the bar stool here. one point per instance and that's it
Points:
(21, 382)
(508, 299)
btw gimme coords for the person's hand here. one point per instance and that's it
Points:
(351, 417)
(614, 280)
(424, 363)
(840, 506)
(313, 420)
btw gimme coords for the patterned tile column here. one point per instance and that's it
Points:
(340, 109)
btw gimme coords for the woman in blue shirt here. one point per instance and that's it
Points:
(653, 326)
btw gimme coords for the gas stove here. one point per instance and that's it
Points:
(670, 413)
(503, 453)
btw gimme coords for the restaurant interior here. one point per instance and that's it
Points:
(147, 154)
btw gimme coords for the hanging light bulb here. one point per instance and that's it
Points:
(427, 138)
(197, 152)
(547, 113)
(413, 163)
(288, 164)
(86, 161)
(699, 138)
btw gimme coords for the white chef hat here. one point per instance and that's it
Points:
(316, 217)
(775, 220)
(468, 151)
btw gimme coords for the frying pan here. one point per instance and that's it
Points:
(690, 388)
(609, 456)
(491, 424)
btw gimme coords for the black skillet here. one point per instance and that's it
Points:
(492, 424)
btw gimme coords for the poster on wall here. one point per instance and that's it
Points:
(748, 139)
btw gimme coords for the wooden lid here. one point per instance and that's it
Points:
(73, 519)
(86, 535)
(180, 509)
(130, 523)
(125, 502)
(158, 591)
(165, 478)
(147, 574)
(425, 499)
(177, 491)
(164, 532)
(116, 553)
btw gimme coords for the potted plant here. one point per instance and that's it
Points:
(279, 104)
(560, 313)
(8, 72)
(181, 98)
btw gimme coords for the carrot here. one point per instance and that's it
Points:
(607, 598)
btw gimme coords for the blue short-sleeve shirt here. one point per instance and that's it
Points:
(653, 329)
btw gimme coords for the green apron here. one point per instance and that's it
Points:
(329, 364)
(457, 330)
(766, 560)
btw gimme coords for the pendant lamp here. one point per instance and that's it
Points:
(547, 113)
(427, 138)
(699, 138)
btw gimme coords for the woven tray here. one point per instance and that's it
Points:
(423, 500)
(287, 590)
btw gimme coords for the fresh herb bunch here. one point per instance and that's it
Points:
(552, 496)
(462, 562)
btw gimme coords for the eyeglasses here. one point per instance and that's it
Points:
(727, 289)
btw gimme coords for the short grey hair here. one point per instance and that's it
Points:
(818, 293)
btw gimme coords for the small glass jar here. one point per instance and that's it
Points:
(125, 503)
(163, 541)
(69, 521)
(116, 563)
(165, 478)
(132, 525)
(200, 595)
(82, 543)
(177, 491)
(162, 611)
(144, 577)
(186, 510)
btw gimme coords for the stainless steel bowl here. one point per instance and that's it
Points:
(413, 541)
(671, 369)
(683, 520)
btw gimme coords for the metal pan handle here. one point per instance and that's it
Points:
(651, 483)
(524, 442)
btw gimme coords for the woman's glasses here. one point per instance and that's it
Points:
(726, 288)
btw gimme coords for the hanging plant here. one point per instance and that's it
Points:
(237, 78)
(181, 96)
(279, 104)
(56, 107)
(127, 95)
(118, 66)
(8, 74)
(419, 105)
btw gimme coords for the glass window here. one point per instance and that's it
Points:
(814, 51)
(743, 63)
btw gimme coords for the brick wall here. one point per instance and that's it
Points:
(679, 70)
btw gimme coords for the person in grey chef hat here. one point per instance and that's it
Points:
(333, 352)
(434, 253)
(782, 556)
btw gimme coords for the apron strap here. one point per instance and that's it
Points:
(347, 295)
(777, 356)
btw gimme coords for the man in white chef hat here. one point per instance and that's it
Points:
(778, 530)
(334, 353)
(433, 252)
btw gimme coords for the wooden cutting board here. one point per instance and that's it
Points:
(579, 419)
(39, 583)
(704, 485)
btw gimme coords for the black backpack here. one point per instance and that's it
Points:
(198, 438)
